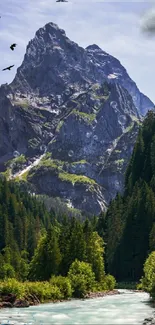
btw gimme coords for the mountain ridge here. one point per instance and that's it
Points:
(51, 33)
(77, 113)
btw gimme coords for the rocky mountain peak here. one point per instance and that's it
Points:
(50, 28)
(51, 35)
(93, 47)
(53, 62)
(73, 113)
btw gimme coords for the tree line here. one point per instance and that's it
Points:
(128, 226)
(35, 245)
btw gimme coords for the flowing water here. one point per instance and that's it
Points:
(126, 308)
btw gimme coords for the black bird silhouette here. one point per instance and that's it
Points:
(8, 68)
(61, 1)
(13, 46)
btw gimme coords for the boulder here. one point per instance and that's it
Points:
(9, 298)
(5, 304)
(21, 303)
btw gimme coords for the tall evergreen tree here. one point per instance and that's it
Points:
(130, 219)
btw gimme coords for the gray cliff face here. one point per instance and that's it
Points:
(53, 62)
(74, 114)
(116, 73)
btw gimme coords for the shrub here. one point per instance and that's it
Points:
(110, 282)
(44, 291)
(82, 278)
(64, 285)
(12, 286)
(148, 281)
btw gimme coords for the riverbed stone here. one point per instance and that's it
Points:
(5, 304)
(21, 303)
(8, 298)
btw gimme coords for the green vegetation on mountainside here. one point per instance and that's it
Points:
(128, 226)
(35, 245)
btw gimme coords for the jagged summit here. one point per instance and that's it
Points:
(50, 32)
(93, 47)
(51, 27)
(53, 62)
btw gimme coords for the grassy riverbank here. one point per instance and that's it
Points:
(23, 294)
(30, 293)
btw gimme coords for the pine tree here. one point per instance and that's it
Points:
(47, 257)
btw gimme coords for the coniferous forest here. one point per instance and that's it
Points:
(37, 246)
(72, 257)
(128, 226)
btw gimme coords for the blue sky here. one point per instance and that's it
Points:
(114, 26)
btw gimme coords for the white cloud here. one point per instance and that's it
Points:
(113, 26)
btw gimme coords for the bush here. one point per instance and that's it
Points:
(110, 282)
(148, 281)
(12, 286)
(64, 285)
(107, 283)
(139, 286)
(44, 291)
(82, 278)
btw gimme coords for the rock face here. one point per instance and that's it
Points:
(115, 72)
(53, 62)
(74, 114)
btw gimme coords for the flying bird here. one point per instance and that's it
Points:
(13, 46)
(61, 1)
(8, 68)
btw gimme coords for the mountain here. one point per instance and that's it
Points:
(115, 72)
(52, 62)
(69, 120)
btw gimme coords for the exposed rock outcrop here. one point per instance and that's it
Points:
(73, 114)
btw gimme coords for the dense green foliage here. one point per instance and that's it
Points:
(44, 291)
(82, 277)
(22, 221)
(40, 245)
(128, 226)
(64, 285)
(78, 282)
(148, 280)
(37, 245)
